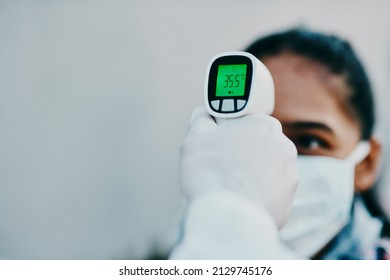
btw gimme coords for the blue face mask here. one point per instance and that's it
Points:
(322, 202)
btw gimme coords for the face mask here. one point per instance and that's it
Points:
(322, 202)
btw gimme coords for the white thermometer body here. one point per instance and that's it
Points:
(237, 84)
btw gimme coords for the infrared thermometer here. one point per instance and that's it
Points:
(238, 84)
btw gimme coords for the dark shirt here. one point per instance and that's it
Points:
(360, 239)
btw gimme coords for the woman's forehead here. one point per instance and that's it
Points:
(306, 91)
(305, 87)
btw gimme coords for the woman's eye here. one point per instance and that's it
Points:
(309, 142)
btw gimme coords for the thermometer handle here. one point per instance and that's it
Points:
(223, 121)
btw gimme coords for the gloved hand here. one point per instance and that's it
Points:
(239, 179)
(249, 156)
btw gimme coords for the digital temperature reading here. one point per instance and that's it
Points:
(231, 80)
(237, 84)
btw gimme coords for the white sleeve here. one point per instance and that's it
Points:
(223, 225)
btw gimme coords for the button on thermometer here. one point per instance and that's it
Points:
(238, 84)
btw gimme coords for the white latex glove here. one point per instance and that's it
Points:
(249, 156)
(239, 179)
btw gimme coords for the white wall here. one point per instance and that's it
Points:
(95, 97)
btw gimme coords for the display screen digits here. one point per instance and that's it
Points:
(231, 80)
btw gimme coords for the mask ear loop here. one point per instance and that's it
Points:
(359, 153)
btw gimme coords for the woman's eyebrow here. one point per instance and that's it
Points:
(308, 125)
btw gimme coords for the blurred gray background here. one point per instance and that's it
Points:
(95, 97)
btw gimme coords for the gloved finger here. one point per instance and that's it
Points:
(201, 119)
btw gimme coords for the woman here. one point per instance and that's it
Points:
(325, 105)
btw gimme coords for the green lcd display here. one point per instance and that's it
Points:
(231, 80)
